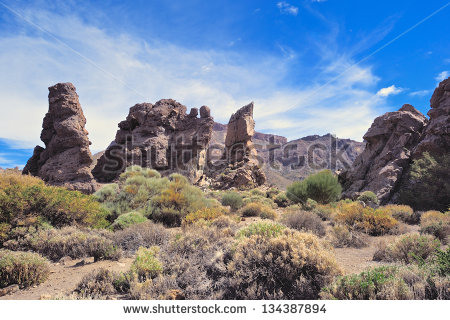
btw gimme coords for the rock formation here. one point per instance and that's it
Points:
(160, 136)
(66, 159)
(239, 166)
(394, 141)
(436, 137)
(391, 141)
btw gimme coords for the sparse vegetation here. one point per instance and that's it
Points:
(26, 202)
(69, 241)
(256, 209)
(304, 221)
(292, 265)
(22, 268)
(408, 248)
(341, 237)
(265, 229)
(437, 224)
(206, 214)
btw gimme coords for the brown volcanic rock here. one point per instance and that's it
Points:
(66, 159)
(160, 136)
(391, 141)
(436, 137)
(239, 167)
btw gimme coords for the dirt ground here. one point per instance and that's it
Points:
(63, 279)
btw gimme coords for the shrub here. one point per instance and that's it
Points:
(342, 237)
(389, 283)
(96, 285)
(325, 212)
(290, 266)
(403, 213)
(357, 217)
(368, 197)
(72, 242)
(437, 224)
(145, 234)
(304, 221)
(146, 265)
(257, 209)
(310, 205)
(428, 186)
(322, 187)
(281, 200)
(264, 229)
(441, 261)
(176, 201)
(232, 199)
(272, 193)
(127, 219)
(22, 268)
(207, 214)
(261, 200)
(26, 201)
(257, 192)
(408, 248)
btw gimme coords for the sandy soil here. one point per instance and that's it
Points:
(63, 279)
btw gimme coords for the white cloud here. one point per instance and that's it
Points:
(442, 76)
(420, 93)
(287, 8)
(30, 62)
(388, 91)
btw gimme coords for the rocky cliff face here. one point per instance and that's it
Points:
(239, 166)
(391, 141)
(66, 159)
(394, 141)
(436, 137)
(160, 136)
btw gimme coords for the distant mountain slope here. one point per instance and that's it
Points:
(286, 161)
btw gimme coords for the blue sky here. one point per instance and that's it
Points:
(310, 66)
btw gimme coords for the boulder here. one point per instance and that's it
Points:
(160, 136)
(66, 159)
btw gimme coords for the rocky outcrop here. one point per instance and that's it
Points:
(160, 136)
(66, 159)
(239, 166)
(391, 140)
(436, 138)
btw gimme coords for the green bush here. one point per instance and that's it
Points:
(272, 193)
(26, 201)
(292, 265)
(264, 229)
(233, 199)
(127, 219)
(389, 283)
(257, 210)
(368, 197)
(322, 187)
(408, 248)
(428, 186)
(403, 213)
(22, 268)
(146, 265)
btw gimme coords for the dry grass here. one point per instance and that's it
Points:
(304, 221)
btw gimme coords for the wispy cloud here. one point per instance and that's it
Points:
(287, 8)
(32, 61)
(389, 91)
(420, 93)
(442, 76)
